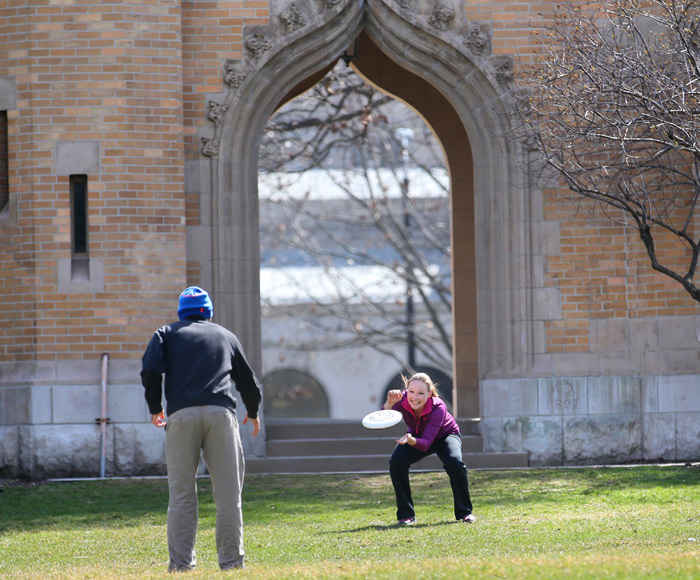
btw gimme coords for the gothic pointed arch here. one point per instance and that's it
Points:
(443, 53)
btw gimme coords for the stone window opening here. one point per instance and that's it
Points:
(4, 162)
(80, 265)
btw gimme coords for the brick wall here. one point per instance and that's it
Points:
(135, 78)
(17, 335)
(91, 73)
(602, 271)
(601, 268)
(212, 33)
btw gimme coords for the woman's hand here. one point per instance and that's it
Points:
(392, 397)
(407, 439)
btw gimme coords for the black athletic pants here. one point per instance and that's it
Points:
(449, 450)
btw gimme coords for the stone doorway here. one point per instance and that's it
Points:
(440, 68)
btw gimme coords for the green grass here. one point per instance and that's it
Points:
(622, 523)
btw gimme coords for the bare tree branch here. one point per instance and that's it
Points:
(345, 130)
(612, 108)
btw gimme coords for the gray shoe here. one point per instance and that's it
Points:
(179, 568)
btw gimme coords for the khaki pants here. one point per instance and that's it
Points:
(213, 430)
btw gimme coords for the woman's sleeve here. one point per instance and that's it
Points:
(435, 419)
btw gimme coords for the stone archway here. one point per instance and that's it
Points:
(378, 68)
(428, 55)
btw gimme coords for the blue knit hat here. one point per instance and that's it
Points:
(194, 300)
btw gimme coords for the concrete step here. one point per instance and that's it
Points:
(350, 446)
(340, 429)
(337, 446)
(374, 463)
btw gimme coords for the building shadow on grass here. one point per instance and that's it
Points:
(389, 527)
(84, 504)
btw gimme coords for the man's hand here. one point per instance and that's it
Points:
(159, 419)
(255, 422)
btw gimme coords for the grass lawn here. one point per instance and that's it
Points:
(636, 522)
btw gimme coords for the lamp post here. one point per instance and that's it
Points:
(404, 135)
(350, 54)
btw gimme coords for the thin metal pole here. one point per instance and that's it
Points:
(405, 135)
(103, 416)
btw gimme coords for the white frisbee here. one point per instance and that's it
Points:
(382, 419)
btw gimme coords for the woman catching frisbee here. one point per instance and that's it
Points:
(431, 429)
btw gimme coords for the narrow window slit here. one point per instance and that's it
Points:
(4, 162)
(80, 264)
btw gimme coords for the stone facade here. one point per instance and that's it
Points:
(584, 420)
(160, 104)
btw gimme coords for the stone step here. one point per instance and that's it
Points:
(342, 446)
(341, 429)
(349, 446)
(373, 463)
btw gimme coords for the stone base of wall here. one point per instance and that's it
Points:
(593, 420)
(47, 451)
(50, 431)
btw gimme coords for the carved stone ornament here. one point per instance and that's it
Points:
(503, 68)
(258, 44)
(292, 18)
(441, 16)
(530, 143)
(477, 41)
(233, 75)
(404, 3)
(217, 113)
(210, 147)
(504, 73)
(332, 3)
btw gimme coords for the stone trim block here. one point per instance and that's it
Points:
(15, 405)
(77, 157)
(41, 405)
(127, 404)
(60, 451)
(678, 333)
(508, 398)
(608, 334)
(614, 395)
(659, 437)
(602, 439)
(76, 403)
(562, 396)
(138, 450)
(8, 93)
(70, 285)
(677, 394)
(602, 419)
(9, 451)
(688, 437)
(536, 435)
(547, 304)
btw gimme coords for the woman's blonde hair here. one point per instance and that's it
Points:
(424, 378)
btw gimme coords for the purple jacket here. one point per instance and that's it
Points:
(435, 422)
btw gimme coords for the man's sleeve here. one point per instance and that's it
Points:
(246, 382)
(153, 366)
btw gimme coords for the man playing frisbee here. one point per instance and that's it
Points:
(431, 429)
(202, 363)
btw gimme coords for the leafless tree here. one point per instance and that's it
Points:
(611, 106)
(373, 222)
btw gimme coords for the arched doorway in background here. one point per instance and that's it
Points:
(463, 100)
